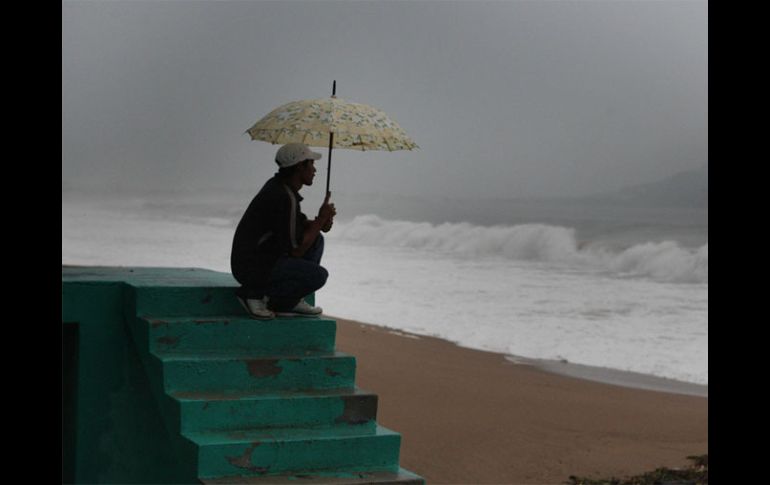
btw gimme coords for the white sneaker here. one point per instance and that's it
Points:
(256, 308)
(302, 309)
(305, 308)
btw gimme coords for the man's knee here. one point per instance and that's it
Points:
(312, 280)
(315, 252)
(320, 277)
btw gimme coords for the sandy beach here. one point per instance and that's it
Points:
(469, 416)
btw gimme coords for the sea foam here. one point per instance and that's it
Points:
(664, 261)
(531, 290)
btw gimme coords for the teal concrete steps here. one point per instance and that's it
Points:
(202, 411)
(401, 477)
(269, 452)
(280, 336)
(242, 400)
(204, 372)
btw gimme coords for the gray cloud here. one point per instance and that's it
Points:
(505, 98)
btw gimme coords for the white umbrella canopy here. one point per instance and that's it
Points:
(355, 126)
(331, 122)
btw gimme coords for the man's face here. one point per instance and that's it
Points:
(307, 169)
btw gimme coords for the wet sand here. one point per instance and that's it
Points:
(469, 416)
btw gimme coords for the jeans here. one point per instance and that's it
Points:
(292, 279)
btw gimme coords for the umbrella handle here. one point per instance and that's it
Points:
(329, 161)
(331, 143)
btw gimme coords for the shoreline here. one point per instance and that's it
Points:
(471, 416)
(604, 375)
(615, 377)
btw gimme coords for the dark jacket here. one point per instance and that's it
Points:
(269, 229)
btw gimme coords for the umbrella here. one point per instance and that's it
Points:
(331, 122)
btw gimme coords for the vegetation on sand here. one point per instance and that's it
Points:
(696, 474)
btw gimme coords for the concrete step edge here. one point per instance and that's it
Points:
(159, 320)
(282, 435)
(202, 397)
(239, 355)
(402, 476)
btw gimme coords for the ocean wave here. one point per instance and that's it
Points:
(663, 261)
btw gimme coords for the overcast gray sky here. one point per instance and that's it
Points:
(505, 98)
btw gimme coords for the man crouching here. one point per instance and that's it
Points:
(277, 251)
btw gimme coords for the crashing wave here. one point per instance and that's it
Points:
(662, 261)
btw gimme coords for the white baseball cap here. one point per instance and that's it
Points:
(293, 153)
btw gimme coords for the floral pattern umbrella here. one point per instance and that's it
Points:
(331, 122)
(355, 126)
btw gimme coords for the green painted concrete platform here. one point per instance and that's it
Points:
(166, 380)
